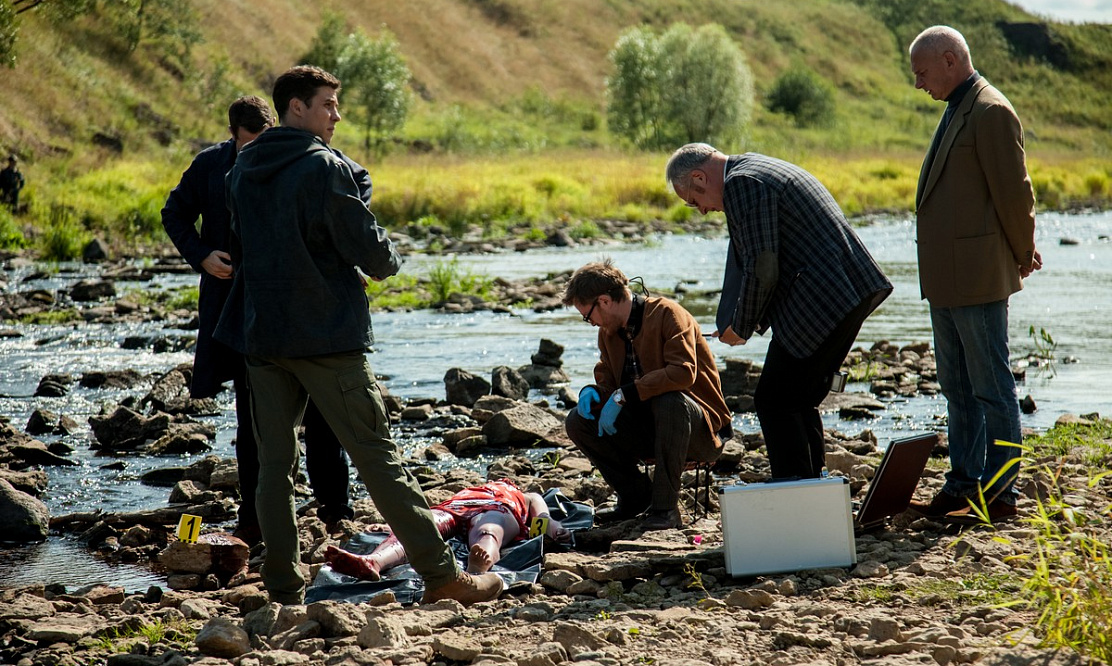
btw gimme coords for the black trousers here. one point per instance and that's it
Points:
(790, 391)
(670, 429)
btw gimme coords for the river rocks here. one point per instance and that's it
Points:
(46, 422)
(546, 370)
(35, 452)
(53, 386)
(522, 425)
(463, 388)
(32, 482)
(222, 637)
(92, 290)
(509, 383)
(95, 252)
(127, 430)
(23, 518)
(112, 379)
(213, 553)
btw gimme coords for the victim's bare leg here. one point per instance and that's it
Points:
(489, 530)
(389, 553)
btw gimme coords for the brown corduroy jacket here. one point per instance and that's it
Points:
(674, 356)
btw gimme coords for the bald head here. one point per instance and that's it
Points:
(940, 60)
(939, 39)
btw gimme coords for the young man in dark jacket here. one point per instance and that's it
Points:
(201, 194)
(298, 311)
(656, 395)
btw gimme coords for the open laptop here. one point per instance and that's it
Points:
(895, 480)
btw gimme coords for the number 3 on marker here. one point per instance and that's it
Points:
(189, 528)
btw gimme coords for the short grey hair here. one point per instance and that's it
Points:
(938, 39)
(684, 161)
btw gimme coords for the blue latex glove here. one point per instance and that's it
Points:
(587, 397)
(609, 414)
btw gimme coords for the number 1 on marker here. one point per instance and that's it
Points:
(189, 528)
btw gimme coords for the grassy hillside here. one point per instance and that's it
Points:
(106, 130)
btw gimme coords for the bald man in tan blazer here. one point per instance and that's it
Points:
(975, 230)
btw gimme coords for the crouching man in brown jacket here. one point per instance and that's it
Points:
(657, 395)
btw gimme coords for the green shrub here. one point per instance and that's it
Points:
(804, 95)
(11, 236)
(63, 238)
(585, 230)
(448, 277)
(687, 84)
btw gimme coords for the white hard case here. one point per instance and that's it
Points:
(787, 526)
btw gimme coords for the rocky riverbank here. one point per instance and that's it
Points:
(921, 592)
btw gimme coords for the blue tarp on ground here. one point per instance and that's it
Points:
(520, 563)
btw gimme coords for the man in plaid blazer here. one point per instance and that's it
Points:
(794, 265)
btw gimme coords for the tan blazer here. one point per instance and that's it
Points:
(975, 205)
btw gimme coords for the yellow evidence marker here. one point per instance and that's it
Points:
(189, 528)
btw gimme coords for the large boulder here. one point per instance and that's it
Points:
(521, 425)
(23, 518)
(214, 553)
(93, 290)
(463, 388)
(507, 382)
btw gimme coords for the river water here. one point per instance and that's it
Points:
(1071, 298)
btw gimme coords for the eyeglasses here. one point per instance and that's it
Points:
(587, 317)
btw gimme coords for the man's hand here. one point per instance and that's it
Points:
(609, 414)
(587, 397)
(1036, 264)
(218, 264)
(729, 337)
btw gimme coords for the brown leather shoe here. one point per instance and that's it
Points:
(999, 511)
(467, 589)
(942, 504)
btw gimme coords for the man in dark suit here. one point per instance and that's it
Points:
(975, 212)
(794, 265)
(201, 194)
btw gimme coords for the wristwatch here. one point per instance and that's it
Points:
(619, 397)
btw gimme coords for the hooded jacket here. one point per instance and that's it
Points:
(299, 230)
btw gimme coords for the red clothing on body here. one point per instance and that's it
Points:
(501, 495)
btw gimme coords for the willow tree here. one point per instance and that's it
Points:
(687, 84)
(376, 80)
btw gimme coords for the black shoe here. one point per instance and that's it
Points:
(250, 534)
(332, 515)
(621, 511)
(942, 504)
(661, 520)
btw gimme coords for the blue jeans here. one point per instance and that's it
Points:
(971, 350)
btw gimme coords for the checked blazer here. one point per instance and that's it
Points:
(794, 263)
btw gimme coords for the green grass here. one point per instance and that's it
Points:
(975, 590)
(1091, 443)
(51, 317)
(448, 277)
(178, 634)
(179, 298)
